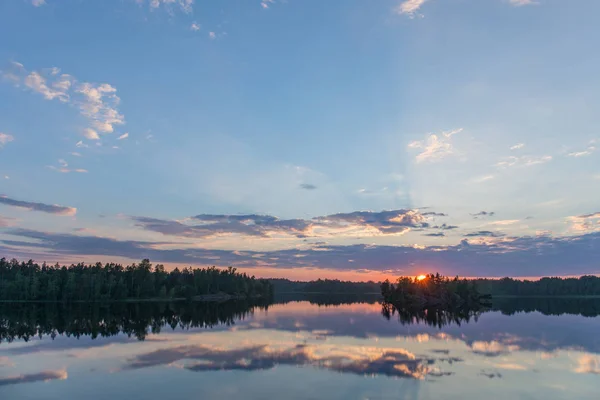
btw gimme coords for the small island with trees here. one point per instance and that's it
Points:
(434, 291)
(29, 281)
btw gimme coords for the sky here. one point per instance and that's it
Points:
(303, 139)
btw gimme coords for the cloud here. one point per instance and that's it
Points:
(588, 364)
(523, 161)
(6, 221)
(519, 3)
(31, 206)
(90, 134)
(212, 35)
(517, 146)
(445, 227)
(512, 256)
(123, 136)
(589, 151)
(38, 3)
(482, 179)
(63, 167)
(437, 234)
(97, 102)
(482, 214)
(43, 376)
(185, 5)
(5, 138)
(307, 186)
(585, 223)
(75, 154)
(359, 222)
(484, 234)
(435, 147)
(265, 3)
(195, 27)
(409, 7)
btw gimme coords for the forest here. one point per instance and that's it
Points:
(583, 286)
(329, 286)
(433, 291)
(29, 281)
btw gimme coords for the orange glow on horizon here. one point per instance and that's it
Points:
(421, 277)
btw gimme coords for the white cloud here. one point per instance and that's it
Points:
(583, 153)
(409, 7)
(123, 136)
(435, 148)
(97, 102)
(5, 138)
(195, 27)
(519, 3)
(63, 167)
(505, 222)
(482, 179)
(75, 154)
(38, 3)
(212, 35)
(80, 144)
(517, 146)
(90, 134)
(265, 3)
(37, 83)
(100, 105)
(523, 161)
(185, 5)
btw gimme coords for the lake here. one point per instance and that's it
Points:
(309, 348)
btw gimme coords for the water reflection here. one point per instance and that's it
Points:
(316, 347)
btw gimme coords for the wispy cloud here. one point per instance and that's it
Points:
(5, 138)
(517, 146)
(212, 35)
(266, 3)
(435, 147)
(195, 26)
(185, 5)
(523, 161)
(63, 167)
(123, 136)
(32, 206)
(38, 3)
(588, 364)
(97, 102)
(482, 214)
(519, 3)
(483, 178)
(589, 151)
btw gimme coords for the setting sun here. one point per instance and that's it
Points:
(421, 277)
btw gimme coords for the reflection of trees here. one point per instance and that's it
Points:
(27, 320)
(587, 307)
(327, 300)
(431, 316)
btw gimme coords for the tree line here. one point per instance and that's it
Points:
(29, 281)
(551, 286)
(329, 286)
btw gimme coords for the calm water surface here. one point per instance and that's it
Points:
(298, 350)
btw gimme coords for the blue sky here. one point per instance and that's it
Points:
(303, 138)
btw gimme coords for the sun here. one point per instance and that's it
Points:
(421, 277)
